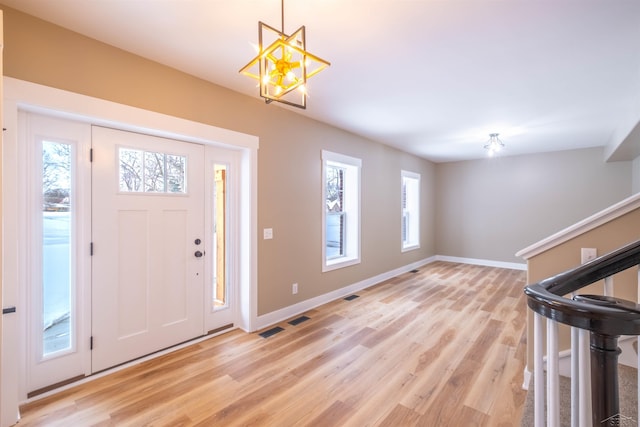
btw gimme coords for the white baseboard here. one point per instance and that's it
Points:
(293, 310)
(485, 262)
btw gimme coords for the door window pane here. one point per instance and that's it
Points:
(130, 170)
(57, 279)
(151, 172)
(154, 172)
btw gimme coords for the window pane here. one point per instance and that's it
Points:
(335, 212)
(56, 247)
(410, 210)
(335, 189)
(154, 172)
(335, 235)
(130, 170)
(176, 166)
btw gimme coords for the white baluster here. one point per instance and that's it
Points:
(608, 286)
(584, 362)
(553, 390)
(538, 371)
(575, 377)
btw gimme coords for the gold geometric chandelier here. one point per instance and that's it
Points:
(283, 65)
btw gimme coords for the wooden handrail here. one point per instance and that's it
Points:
(610, 317)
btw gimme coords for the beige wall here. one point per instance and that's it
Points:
(289, 182)
(492, 208)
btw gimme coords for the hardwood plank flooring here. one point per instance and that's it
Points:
(440, 347)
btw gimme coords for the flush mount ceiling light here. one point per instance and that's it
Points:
(494, 144)
(283, 65)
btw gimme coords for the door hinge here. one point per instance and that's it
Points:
(90, 155)
(91, 343)
(91, 249)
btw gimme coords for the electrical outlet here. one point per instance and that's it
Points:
(587, 254)
(294, 288)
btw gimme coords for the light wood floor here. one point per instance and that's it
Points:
(440, 347)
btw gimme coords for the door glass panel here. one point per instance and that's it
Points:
(130, 170)
(160, 172)
(176, 171)
(219, 237)
(154, 172)
(57, 279)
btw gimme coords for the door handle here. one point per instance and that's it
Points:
(8, 310)
(198, 254)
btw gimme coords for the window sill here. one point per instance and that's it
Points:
(410, 248)
(339, 263)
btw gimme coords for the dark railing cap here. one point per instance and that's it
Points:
(600, 315)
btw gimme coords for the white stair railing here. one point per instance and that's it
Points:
(549, 397)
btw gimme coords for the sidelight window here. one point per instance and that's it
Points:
(57, 260)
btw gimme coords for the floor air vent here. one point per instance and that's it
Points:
(352, 297)
(299, 320)
(270, 332)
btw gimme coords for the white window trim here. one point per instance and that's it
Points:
(416, 223)
(352, 207)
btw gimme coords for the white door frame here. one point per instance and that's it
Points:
(22, 95)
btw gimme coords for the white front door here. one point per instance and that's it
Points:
(148, 235)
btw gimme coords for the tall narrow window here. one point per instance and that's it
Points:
(341, 210)
(57, 261)
(410, 197)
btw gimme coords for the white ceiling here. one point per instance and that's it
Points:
(432, 77)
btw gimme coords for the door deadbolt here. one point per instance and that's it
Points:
(197, 241)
